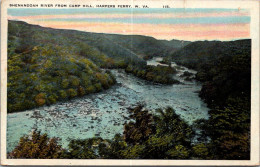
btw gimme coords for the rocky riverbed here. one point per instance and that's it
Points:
(104, 114)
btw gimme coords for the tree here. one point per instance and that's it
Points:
(71, 92)
(80, 149)
(229, 130)
(40, 99)
(113, 149)
(168, 122)
(172, 139)
(37, 146)
(139, 131)
(201, 151)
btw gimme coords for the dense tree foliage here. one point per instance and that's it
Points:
(37, 145)
(227, 76)
(148, 136)
(164, 135)
(196, 54)
(224, 68)
(46, 74)
(226, 89)
(43, 70)
(157, 74)
(48, 65)
(228, 130)
(139, 131)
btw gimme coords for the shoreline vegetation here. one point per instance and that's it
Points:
(46, 65)
(224, 69)
(157, 74)
(146, 136)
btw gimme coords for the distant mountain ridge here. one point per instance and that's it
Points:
(119, 45)
(145, 46)
(198, 53)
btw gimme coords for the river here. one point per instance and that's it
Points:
(103, 114)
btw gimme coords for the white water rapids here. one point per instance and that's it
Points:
(104, 114)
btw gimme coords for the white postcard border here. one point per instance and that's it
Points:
(253, 5)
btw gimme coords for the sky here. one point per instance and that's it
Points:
(173, 23)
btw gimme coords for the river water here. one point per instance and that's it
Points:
(103, 114)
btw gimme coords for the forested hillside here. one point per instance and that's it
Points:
(44, 68)
(226, 88)
(224, 69)
(47, 65)
(196, 54)
(147, 47)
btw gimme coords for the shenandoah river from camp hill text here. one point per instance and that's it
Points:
(104, 114)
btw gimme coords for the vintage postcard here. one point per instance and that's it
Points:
(97, 82)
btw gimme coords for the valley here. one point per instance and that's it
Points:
(127, 96)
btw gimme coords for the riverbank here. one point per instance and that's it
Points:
(90, 115)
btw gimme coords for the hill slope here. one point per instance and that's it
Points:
(147, 47)
(198, 53)
(224, 68)
(46, 65)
